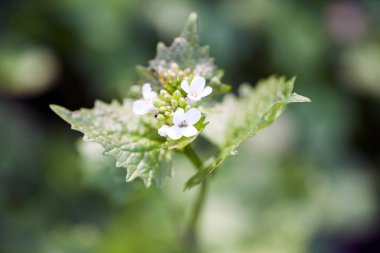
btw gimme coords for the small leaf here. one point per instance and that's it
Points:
(186, 52)
(134, 144)
(237, 119)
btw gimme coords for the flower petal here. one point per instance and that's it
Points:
(151, 96)
(146, 89)
(189, 131)
(207, 91)
(174, 132)
(197, 84)
(179, 116)
(192, 116)
(147, 92)
(185, 86)
(192, 99)
(141, 107)
(162, 131)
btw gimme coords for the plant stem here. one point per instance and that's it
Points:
(190, 239)
(193, 157)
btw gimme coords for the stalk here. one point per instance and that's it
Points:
(190, 236)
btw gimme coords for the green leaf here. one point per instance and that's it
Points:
(237, 119)
(186, 52)
(135, 145)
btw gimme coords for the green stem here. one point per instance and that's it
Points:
(193, 157)
(190, 239)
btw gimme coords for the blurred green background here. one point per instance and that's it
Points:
(309, 183)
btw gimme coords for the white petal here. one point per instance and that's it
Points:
(162, 131)
(141, 107)
(150, 106)
(193, 98)
(207, 91)
(189, 131)
(174, 132)
(192, 116)
(151, 96)
(197, 84)
(179, 116)
(185, 86)
(147, 92)
(146, 88)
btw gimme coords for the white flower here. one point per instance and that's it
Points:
(162, 131)
(145, 105)
(196, 90)
(183, 123)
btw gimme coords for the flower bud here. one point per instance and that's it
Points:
(162, 109)
(187, 71)
(158, 103)
(161, 117)
(182, 102)
(187, 107)
(163, 93)
(171, 73)
(174, 103)
(174, 66)
(167, 98)
(177, 94)
(169, 118)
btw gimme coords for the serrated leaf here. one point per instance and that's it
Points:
(134, 144)
(186, 52)
(237, 119)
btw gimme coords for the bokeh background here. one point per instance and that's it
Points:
(309, 183)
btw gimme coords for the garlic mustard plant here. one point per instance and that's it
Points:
(175, 108)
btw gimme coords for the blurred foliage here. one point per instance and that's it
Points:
(307, 184)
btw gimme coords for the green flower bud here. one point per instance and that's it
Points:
(169, 117)
(161, 117)
(182, 102)
(174, 103)
(187, 107)
(158, 103)
(167, 98)
(163, 93)
(162, 109)
(177, 94)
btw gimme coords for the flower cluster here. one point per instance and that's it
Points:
(175, 105)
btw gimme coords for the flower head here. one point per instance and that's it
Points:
(196, 90)
(183, 123)
(145, 105)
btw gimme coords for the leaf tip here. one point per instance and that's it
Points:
(193, 17)
(294, 97)
(191, 26)
(57, 109)
(54, 107)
